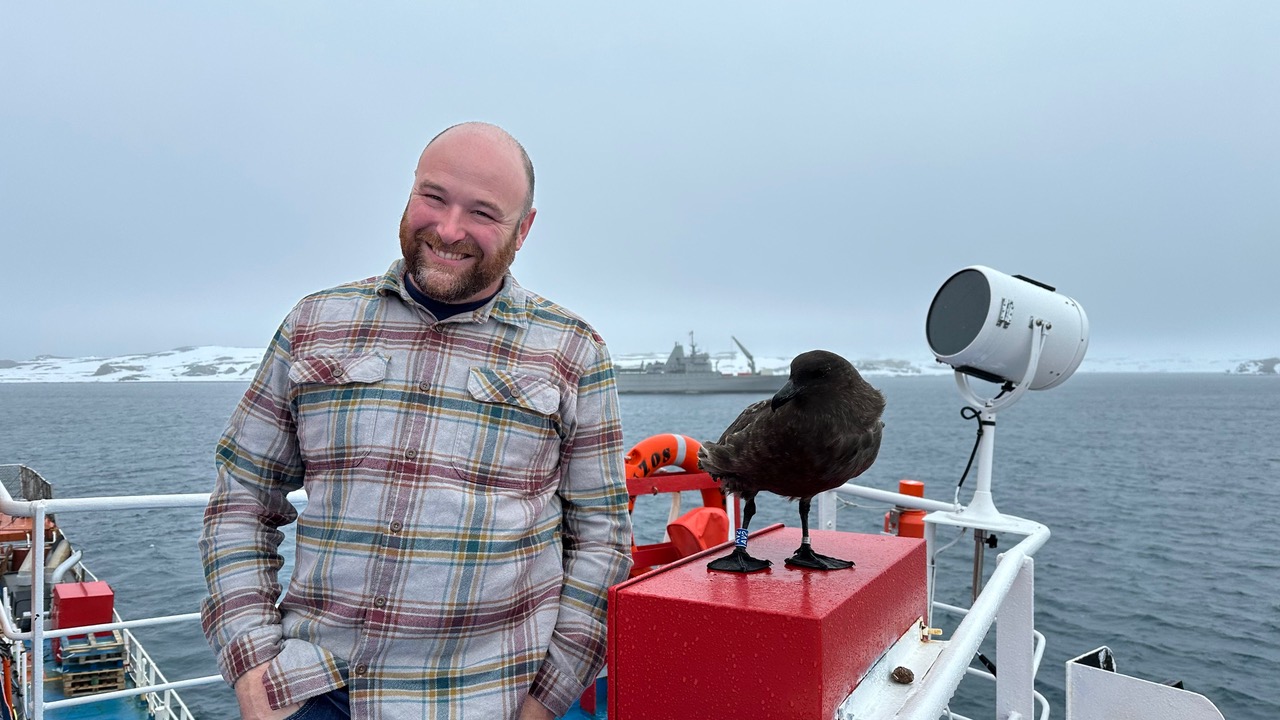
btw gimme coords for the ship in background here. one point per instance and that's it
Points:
(693, 373)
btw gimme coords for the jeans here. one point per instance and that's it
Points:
(334, 705)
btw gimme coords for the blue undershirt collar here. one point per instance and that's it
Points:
(441, 310)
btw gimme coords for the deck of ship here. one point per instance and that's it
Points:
(117, 708)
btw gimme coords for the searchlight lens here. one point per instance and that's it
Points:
(982, 322)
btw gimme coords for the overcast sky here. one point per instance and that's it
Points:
(799, 175)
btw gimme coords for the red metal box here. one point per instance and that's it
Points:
(80, 604)
(783, 643)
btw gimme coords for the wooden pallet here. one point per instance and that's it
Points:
(80, 652)
(89, 683)
(97, 642)
(71, 661)
(92, 666)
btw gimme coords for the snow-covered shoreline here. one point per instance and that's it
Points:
(186, 364)
(221, 364)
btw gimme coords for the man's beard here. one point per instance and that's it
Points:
(448, 285)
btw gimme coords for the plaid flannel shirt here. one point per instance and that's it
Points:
(466, 506)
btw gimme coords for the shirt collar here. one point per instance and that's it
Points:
(511, 305)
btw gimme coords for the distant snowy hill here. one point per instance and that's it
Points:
(187, 364)
(206, 364)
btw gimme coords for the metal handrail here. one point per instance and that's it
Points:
(954, 661)
(38, 510)
(146, 672)
(12, 632)
(893, 498)
(130, 692)
(949, 669)
(26, 508)
(1037, 653)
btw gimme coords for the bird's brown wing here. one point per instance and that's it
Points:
(744, 420)
(868, 447)
(722, 458)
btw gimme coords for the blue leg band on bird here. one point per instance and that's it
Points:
(739, 561)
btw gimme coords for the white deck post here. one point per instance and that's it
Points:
(931, 546)
(37, 612)
(826, 503)
(1015, 647)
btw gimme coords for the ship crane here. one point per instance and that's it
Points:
(751, 361)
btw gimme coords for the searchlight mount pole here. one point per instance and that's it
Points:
(982, 506)
(981, 513)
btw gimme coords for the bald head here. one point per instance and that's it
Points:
(475, 131)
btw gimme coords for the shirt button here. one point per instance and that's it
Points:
(362, 669)
(396, 526)
(424, 385)
(380, 601)
(411, 454)
(337, 372)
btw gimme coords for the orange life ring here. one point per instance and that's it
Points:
(686, 534)
(657, 451)
(665, 450)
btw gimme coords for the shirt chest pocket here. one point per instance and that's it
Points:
(509, 434)
(337, 407)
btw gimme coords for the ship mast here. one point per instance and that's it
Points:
(751, 361)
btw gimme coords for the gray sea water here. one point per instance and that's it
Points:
(1161, 492)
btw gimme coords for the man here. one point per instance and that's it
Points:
(459, 441)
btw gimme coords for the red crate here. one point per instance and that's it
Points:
(78, 605)
(783, 643)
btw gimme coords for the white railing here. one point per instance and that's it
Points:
(166, 705)
(1006, 600)
(161, 694)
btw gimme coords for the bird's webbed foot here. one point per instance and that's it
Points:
(738, 561)
(805, 557)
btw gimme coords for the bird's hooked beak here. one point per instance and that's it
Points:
(783, 396)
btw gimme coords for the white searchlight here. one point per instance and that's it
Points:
(1006, 329)
(992, 326)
